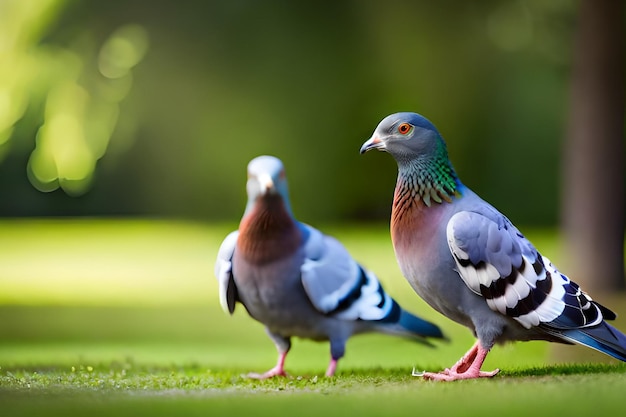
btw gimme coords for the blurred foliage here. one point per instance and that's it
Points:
(77, 104)
(79, 121)
(307, 81)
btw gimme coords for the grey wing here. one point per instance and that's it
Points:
(497, 262)
(224, 272)
(337, 285)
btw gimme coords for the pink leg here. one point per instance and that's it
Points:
(466, 361)
(332, 366)
(278, 370)
(468, 367)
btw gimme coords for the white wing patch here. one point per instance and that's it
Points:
(553, 305)
(498, 263)
(337, 285)
(373, 303)
(223, 272)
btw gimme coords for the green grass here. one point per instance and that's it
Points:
(121, 318)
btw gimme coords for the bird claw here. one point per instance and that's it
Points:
(417, 373)
(450, 375)
(269, 374)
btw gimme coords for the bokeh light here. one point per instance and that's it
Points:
(20, 23)
(124, 49)
(81, 111)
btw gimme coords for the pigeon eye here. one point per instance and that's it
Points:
(282, 175)
(405, 128)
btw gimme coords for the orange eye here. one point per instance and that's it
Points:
(404, 128)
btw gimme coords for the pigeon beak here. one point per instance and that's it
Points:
(373, 143)
(266, 183)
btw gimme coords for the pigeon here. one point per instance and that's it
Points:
(299, 282)
(471, 264)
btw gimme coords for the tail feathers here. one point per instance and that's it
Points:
(603, 338)
(407, 325)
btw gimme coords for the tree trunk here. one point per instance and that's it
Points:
(593, 169)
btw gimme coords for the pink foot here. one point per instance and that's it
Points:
(278, 370)
(449, 375)
(275, 371)
(468, 367)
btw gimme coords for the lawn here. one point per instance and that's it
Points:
(104, 317)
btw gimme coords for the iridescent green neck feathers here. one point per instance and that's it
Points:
(429, 178)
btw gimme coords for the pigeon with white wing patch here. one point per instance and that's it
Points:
(299, 282)
(470, 263)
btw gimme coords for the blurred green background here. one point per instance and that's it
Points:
(124, 112)
(136, 108)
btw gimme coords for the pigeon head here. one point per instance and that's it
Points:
(405, 136)
(424, 169)
(266, 179)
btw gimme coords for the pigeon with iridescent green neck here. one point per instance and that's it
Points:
(470, 263)
(299, 282)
